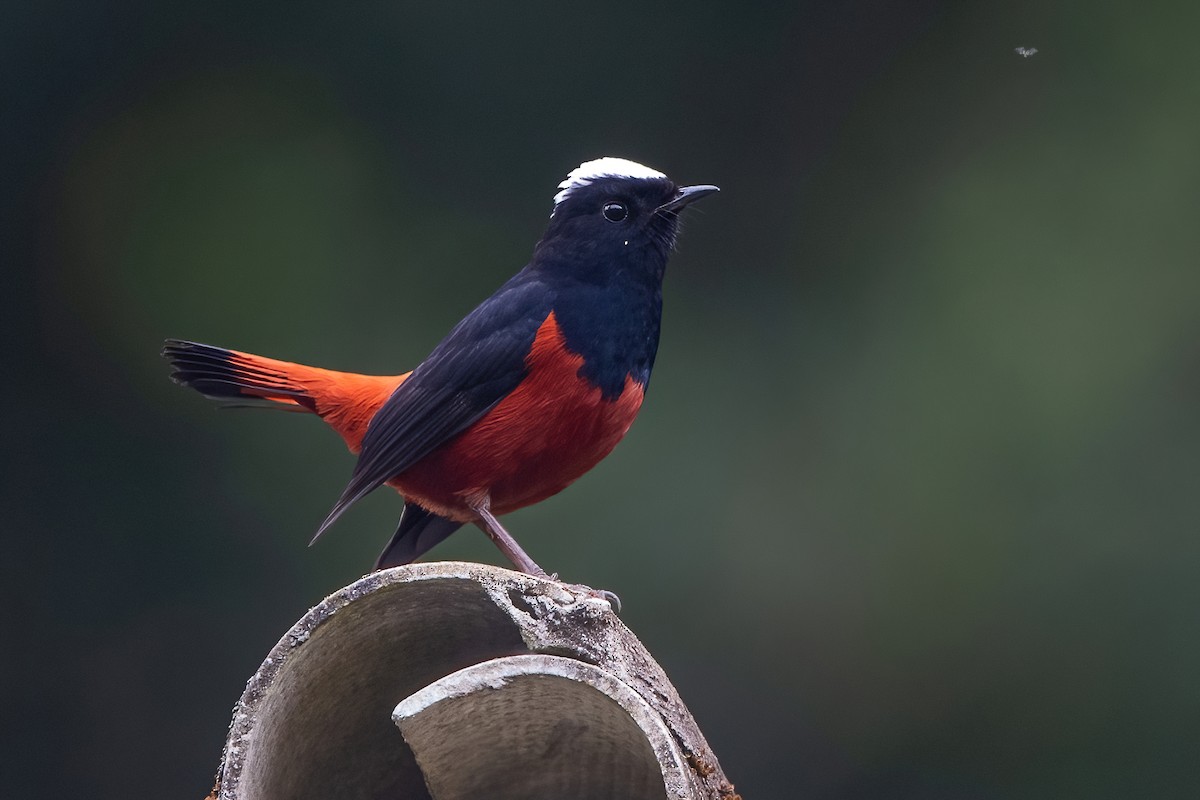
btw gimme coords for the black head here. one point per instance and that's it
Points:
(612, 216)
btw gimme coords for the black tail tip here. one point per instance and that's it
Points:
(201, 367)
(175, 350)
(173, 346)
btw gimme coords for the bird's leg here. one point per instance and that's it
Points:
(508, 545)
(504, 540)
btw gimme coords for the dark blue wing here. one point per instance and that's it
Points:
(466, 375)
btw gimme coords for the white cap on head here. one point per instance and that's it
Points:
(607, 167)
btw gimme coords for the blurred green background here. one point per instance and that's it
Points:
(912, 507)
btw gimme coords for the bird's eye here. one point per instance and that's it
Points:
(614, 211)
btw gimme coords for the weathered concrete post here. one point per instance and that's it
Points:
(501, 686)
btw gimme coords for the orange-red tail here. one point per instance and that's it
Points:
(345, 400)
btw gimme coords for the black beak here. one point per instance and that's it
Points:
(687, 195)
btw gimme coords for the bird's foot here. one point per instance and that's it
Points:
(601, 594)
(578, 588)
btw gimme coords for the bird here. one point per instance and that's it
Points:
(522, 397)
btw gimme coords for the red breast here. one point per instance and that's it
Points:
(550, 430)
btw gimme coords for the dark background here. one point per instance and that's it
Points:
(912, 508)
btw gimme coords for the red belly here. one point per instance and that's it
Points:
(538, 440)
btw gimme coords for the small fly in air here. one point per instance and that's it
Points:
(1025, 52)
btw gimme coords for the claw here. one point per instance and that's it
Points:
(601, 594)
(611, 597)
